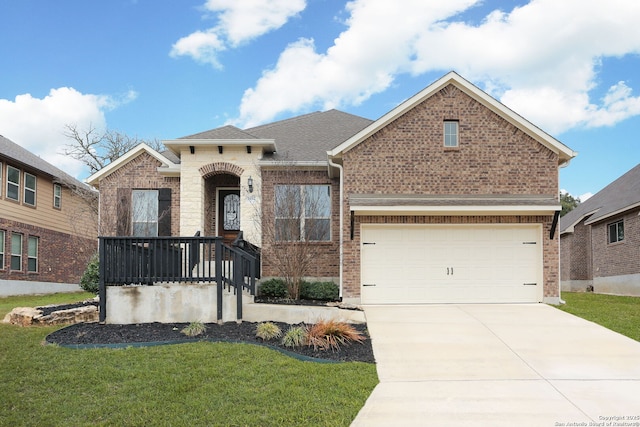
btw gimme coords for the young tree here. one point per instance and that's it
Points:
(294, 218)
(568, 203)
(97, 149)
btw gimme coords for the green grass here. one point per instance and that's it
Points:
(618, 313)
(192, 384)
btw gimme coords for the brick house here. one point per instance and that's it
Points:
(48, 224)
(600, 240)
(449, 197)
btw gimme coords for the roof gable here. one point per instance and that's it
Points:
(124, 159)
(564, 153)
(621, 195)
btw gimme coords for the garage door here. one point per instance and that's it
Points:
(450, 263)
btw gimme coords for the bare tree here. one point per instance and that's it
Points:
(97, 149)
(294, 218)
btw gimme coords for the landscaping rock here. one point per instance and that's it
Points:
(22, 316)
(87, 314)
(27, 316)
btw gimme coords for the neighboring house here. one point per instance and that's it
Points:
(600, 240)
(449, 197)
(48, 224)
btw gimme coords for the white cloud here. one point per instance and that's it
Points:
(541, 59)
(38, 124)
(238, 22)
(584, 197)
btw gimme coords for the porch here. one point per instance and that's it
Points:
(135, 271)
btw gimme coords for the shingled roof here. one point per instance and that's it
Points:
(302, 138)
(619, 196)
(13, 151)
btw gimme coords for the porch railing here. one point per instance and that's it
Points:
(150, 260)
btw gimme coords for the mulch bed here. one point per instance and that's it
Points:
(95, 334)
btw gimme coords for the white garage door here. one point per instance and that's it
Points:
(450, 263)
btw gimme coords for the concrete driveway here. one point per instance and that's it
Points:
(498, 364)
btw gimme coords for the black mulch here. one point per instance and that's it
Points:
(87, 334)
(48, 309)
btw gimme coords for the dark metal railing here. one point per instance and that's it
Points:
(150, 260)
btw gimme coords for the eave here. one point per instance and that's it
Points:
(177, 145)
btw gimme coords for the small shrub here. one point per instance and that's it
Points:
(90, 280)
(323, 291)
(194, 329)
(273, 288)
(268, 331)
(296, 336)
(331, 335)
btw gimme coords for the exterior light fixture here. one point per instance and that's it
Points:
(250, 184)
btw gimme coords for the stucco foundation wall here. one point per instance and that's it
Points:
(575, 285)
(23, 287)
(167, 303)
(628, 284)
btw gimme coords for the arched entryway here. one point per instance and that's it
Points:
(222, 200)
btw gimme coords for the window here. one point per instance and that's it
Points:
(303, 212)
(616, 232)
(57, 196)
(1, 249)
(29, 189)
(13, 183)
(450, 133)
(16, 251)
(0, 182)
(144, 213)
(32, 254)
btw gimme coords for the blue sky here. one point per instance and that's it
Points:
(169, 68)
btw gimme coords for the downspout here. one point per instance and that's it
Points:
(341, 250)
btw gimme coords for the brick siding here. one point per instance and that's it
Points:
(139, 173)
(326, 254)
(615, 259)
(408, 157)
(62, 257)
(575, 250)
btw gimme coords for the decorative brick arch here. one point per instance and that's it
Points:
(219, 168)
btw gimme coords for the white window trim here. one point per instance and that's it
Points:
(34, 189)
(29, 257)
(457, 134)
(57, 197)
(13, 183)
(3, 242)
(1, 179)
(18, 255)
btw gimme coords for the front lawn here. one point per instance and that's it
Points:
(187, 384)
(620, 314)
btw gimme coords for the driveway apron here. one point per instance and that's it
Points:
(498, 364)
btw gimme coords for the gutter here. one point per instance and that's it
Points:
(341, 245)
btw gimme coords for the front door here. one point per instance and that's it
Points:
(228, 215)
